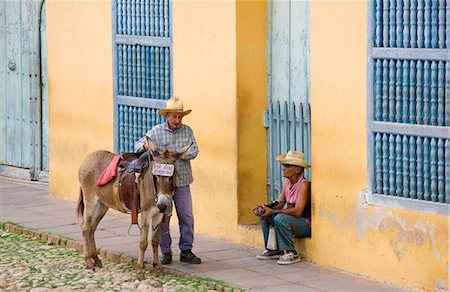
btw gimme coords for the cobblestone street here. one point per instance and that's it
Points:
(29, 265)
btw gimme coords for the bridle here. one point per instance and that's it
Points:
(159, 179)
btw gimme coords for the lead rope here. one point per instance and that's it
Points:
(150, 166)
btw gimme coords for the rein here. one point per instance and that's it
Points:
(155, 180)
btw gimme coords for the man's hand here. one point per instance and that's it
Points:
(259, 210)
(267, 212)
(145, 146)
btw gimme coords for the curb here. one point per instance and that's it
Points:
(61, 241)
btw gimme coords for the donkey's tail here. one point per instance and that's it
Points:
(80, 205)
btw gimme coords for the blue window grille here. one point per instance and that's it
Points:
(142, 62)
(408, 104)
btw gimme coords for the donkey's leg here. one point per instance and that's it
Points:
(99, 213)
(86, 227)
(156, 221)
(143, 243)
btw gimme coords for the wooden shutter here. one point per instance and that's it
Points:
(408, 101)
(23, 99)
(142, 55)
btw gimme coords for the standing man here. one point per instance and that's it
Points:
(173, 135)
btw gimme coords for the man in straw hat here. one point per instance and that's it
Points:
(290, 215)
(172, 135)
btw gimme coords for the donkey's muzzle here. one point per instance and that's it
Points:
(163, 203)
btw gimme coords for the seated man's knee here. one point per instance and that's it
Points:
(280, 220)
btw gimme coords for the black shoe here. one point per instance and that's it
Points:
(166, 258)
(270, 254)
(188, 257)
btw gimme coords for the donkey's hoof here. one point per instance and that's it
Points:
(98, 265)
(159, 271)
(157, 267)
(89, 266)
(140, 277)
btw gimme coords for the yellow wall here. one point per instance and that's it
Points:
(204, 75)
(405, 247)
(219, 58)
(251, 26)
(79, 41)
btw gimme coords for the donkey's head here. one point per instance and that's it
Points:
(164, 173)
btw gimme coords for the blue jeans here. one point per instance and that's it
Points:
(286, 228)
(183, 205)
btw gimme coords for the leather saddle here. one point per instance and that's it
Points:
(126, 194)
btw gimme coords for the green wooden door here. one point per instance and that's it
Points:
(288, 115)
(21, 147)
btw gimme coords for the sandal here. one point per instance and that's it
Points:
(290, 257)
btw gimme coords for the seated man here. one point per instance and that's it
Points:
(290, 216)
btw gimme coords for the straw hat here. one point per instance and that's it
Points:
(293, 158)
(174, 105)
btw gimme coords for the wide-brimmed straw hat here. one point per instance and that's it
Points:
(174, 105)
(293, 158)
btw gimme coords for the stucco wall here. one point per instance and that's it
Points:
(204, 62)
(409, 248)
(251, 62)
(80, 87)
(219, 62)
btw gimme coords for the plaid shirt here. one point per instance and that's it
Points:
(165, 138)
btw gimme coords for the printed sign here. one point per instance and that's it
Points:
(163, 169)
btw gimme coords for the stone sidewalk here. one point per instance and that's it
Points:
(29, 205)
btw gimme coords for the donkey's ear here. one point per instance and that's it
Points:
(184, 150)
(152, 147)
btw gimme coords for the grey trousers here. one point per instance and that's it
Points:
(183, 205)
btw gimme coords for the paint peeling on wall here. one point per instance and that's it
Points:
(439, 285)
(380, 219)
(398, 251)
(407, 238)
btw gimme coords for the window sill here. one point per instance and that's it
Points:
(408, 204)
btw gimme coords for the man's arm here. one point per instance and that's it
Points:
(139, 145)
(302, 199)
(193, 150)
(297, 210)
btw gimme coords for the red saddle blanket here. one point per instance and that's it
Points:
(110, 172)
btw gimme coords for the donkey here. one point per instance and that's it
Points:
(155, 195)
